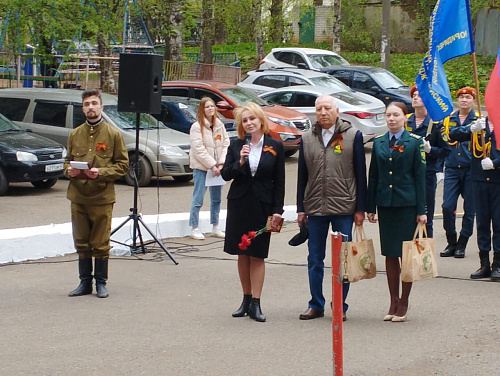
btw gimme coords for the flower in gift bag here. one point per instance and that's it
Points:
(246, 239)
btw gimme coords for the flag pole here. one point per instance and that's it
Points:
(478, 96)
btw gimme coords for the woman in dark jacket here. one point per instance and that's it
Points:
(257, 168)
(396, 189)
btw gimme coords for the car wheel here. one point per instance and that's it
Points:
(144, 174)
(4, 184)
(289, 153)
(44, 184)
(183, 178)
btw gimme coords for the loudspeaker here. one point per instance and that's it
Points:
(139, 83)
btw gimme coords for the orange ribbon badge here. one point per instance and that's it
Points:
(100, 146)
(337, 144)
(398, 148)
(269, 149)
(217, 137)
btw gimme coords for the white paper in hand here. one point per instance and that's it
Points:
(211, 180)
(79, 165)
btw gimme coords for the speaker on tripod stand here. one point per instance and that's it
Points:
(139, 91)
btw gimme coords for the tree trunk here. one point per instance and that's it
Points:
(276, 29)
(108, 82)
(257, 21)
(220, 21)
(173, 39)
(207, 31)
(336, 26)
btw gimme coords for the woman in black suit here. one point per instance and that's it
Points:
(396, 190)
(257, 168)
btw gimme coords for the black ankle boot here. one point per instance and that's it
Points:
(485, 270)
(255, 312)
(495, 267)
(461, 245)
(243, 310)
(85, 271)
(450, 249)
(101, 276)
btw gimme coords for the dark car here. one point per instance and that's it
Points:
(375, 81)
(179, 113)
(27, 157)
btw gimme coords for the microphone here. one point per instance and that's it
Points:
(248, 136)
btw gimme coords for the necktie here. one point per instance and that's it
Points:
(392, 141)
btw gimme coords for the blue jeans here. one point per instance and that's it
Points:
(318, 233)
(197, 202)
(458, 181)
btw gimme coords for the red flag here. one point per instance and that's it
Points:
(492, 99)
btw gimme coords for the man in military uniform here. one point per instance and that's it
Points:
(436, 148)
(485, 171)
(91, 190)
(457, 177)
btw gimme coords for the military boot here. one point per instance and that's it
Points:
(85, 270)
(485, 270)
(495, 267)
(101, 276)
(450, 249)
(461, 245)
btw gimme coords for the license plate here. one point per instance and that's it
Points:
(232, 134)
(54, 167)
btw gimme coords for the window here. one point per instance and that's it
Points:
(271, 81)
(362, 81)
(14, 108)
(279, 98)
(50, 113)
(305, 100)
(297, 59)
(175, 91)
(78, 116)
(294, 81)
(285, 57)
(342, 75)
(200, 93)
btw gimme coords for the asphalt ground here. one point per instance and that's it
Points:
(167, 319)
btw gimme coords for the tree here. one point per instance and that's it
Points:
(257, 23)
(207, 31)
(276, 29)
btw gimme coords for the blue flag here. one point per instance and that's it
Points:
(450, 35)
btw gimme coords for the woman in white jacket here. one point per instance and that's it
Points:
(209, 143)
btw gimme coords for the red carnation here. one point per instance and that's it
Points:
(251, 234)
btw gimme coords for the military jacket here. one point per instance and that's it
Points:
(437, 138)
(460, 154)
(102, 146)
(397, 175)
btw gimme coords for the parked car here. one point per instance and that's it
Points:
(179, 113)
(309, 58)
(27, 157)
(375, 81)
(285, 125)
(365, 115)
(53, 113)
(263, 80)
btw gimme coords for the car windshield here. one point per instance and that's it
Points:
(330, 81)
(7, 125)
(323, 61)
(241, 96)
(126, 120)
(389, 80)
(189, 109)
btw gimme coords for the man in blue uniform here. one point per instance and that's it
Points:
(485, 171)
(436, 148)
(457, 178)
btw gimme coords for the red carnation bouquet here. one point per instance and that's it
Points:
(246, 239)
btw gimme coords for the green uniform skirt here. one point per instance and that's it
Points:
(396, 225)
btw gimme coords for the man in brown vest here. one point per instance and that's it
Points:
(331, 191)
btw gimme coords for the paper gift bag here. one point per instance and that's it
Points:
(419, 260)
(358, 257)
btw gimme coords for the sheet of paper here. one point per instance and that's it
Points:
(212, 180)
(79, 165)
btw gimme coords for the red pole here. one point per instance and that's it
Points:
(336, 244)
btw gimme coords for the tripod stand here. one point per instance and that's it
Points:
(136, 217)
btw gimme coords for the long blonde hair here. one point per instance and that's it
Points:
(200, 114)
(257, 111)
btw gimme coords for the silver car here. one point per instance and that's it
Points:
(309, 58)
(53, 113)
(366, 115)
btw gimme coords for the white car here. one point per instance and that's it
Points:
(309, 58)
(264, 80)
(365, 114)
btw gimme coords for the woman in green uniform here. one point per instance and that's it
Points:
(396, 190)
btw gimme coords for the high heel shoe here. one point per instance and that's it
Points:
(399, 318)
(245, 304)
(254, 312)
